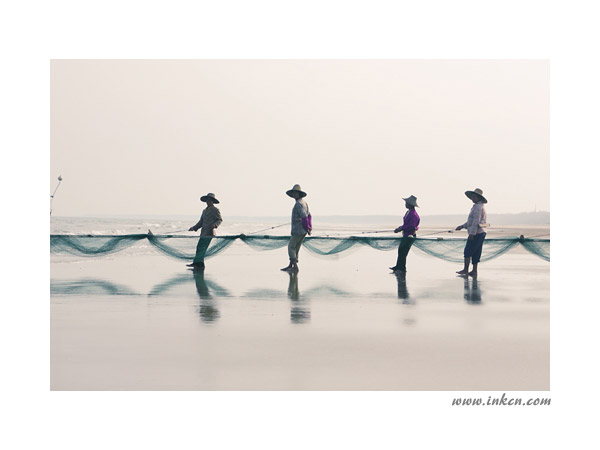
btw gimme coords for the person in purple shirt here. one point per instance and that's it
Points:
(409, 229)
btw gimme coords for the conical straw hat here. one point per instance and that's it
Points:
(412, 200)
(211, 196)
(478, 192)
(298, 189)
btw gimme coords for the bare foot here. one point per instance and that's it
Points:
(462, 272)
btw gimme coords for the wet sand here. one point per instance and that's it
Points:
(134, 321)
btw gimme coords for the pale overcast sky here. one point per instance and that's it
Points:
(151, 137)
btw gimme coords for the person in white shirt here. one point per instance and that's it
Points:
(475, 225)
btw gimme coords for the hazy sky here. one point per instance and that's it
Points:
(151, 137)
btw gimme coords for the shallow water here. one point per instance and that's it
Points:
(137, 320)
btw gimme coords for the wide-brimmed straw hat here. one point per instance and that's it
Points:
(412, 200)
(211, 196)
(297, 189)
(476, 192)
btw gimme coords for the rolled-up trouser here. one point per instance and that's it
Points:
(201, 248)
(294, 246)
(405, 244)
(474, 247)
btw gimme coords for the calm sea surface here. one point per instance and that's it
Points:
(138, 320)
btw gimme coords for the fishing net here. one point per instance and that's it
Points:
(452, 249)
(89, 245)
(539, 247)
(265, 242)
(184, 247)
(180, 248)
(329, 246)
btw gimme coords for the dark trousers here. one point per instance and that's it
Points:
(405, 244)
(474, 247)
(201, 248)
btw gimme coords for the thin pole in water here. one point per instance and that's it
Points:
(52, 196)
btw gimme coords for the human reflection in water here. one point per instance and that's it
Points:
(472, 291)
(207, 310)
(402, 288)
(299, 312)
(403, 295)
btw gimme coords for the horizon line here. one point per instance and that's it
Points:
(92, 215)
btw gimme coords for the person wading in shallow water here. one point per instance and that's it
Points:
(409, 229)
(301, 226)
(475, 225)
(208, 223)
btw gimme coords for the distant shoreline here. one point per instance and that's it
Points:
(539, 218)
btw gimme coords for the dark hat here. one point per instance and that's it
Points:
(412, 200)
(211, 196)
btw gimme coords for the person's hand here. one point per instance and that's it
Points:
(309, 232)
(471, 237)
(459, 228)
(396, 230)
(192, 229)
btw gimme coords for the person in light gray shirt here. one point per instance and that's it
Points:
(208, 223)
(475, 225)
(301, 226)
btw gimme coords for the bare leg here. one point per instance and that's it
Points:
(465, 270)
(473, 273)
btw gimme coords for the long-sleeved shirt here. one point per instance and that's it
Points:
(299, 212)
(209, 220)
(411, 223)
(477, 219)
